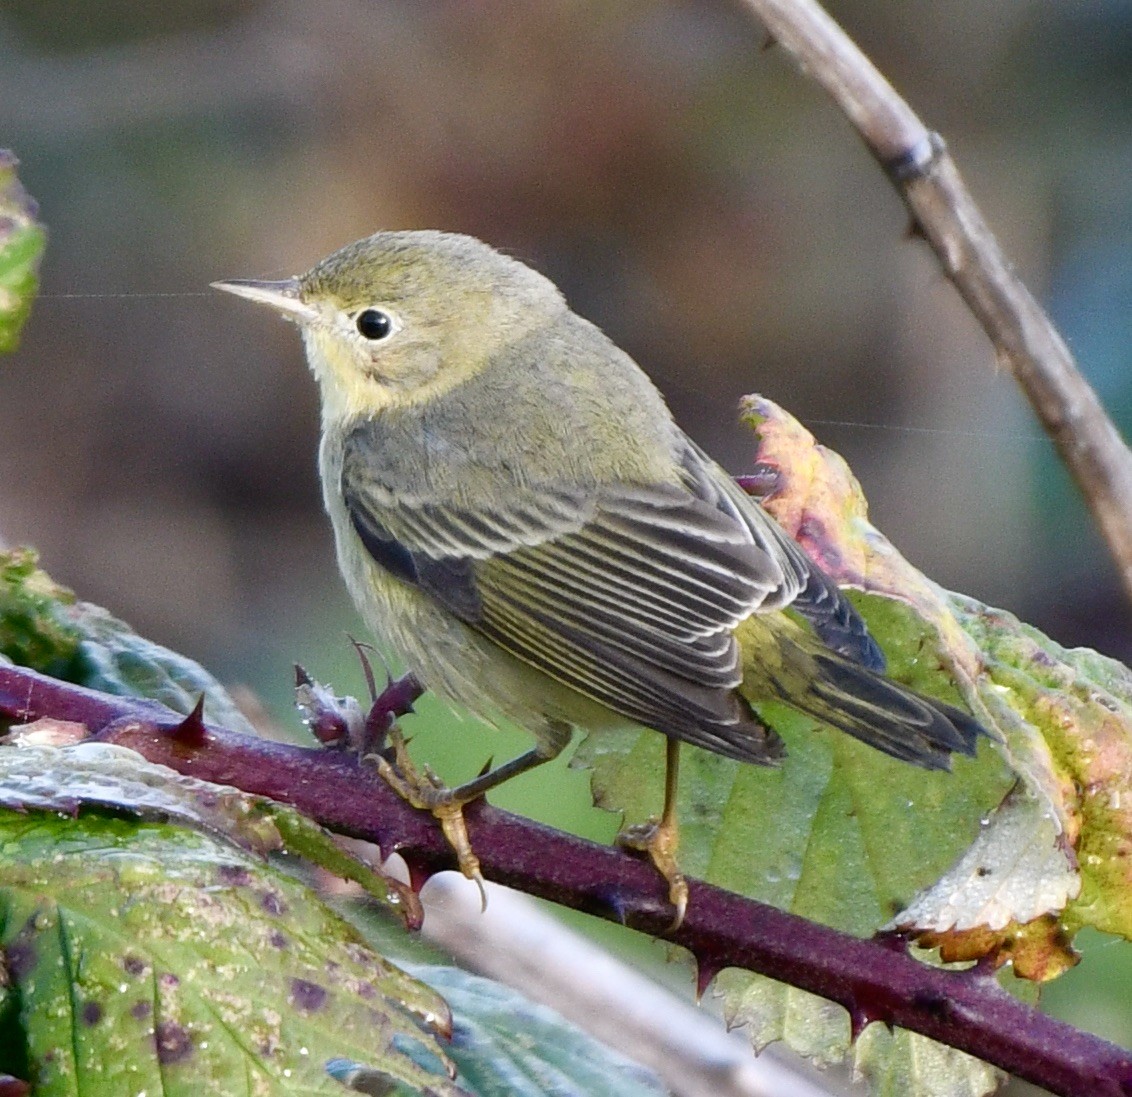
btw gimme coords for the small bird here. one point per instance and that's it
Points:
(518, 517)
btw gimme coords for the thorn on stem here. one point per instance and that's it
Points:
(419, 873)
(190, 732)
(892, 939)
(986, 967)
(707, 968)
(859, 1020)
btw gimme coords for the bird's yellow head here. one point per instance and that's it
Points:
(401, 317)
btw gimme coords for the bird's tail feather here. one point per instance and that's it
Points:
(887, 715)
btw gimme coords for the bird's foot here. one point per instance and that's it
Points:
(422, 789)
(659, 840)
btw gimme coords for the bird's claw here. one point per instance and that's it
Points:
(423, 789)
(659, 841)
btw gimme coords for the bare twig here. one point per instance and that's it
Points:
(875, 980)
(919, 166)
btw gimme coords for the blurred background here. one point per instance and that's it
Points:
(671, 171)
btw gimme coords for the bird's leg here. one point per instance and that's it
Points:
(660, 838)
(422, 789)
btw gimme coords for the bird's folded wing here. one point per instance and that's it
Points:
(627, 593)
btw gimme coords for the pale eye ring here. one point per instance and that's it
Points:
(373, 324)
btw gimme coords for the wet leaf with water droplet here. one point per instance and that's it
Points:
(151, 958)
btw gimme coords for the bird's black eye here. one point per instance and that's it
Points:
(375, 324)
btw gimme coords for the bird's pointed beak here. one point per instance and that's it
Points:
(282, 296)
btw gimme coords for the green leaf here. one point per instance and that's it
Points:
(156, 958)
(34, 629)
(904, 1064)
(508, 1046)
(147, 957)
(63, 779)
(44, 775)
(895, 1063)
(44, 627)
(22, 240)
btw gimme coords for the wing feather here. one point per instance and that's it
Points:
(628, 593)
(574, 569)
(711, 657)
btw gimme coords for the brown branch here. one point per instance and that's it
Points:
(919, 166)
(876, 980)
